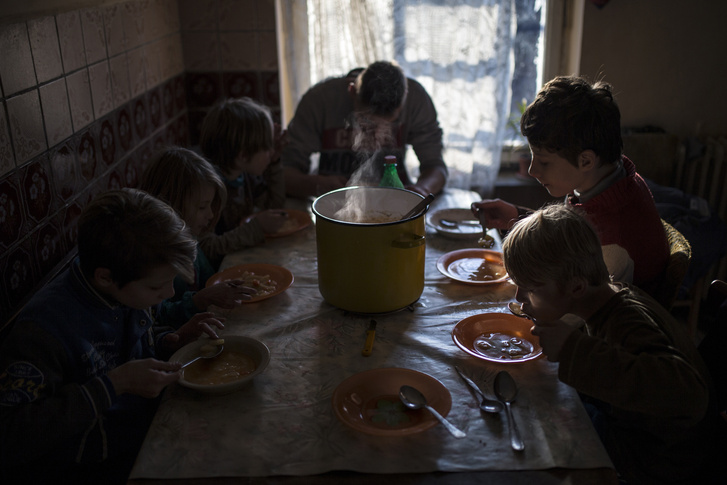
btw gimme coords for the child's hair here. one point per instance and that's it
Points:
(130, 232)
(381, 87)
(233, 127)
(555, 243)
(570, 115)
(176, 176)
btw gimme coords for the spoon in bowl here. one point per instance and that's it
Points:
(413, 399)
(506, 390)
(206, 352)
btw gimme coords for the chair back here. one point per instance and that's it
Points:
(680, 253)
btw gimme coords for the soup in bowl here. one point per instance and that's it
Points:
(241, 360)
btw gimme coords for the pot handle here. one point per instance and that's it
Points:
(408, 241)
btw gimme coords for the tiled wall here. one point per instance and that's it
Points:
(88, 95)
(229, 51)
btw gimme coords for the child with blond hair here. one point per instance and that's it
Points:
(190, 185)
(640, 375)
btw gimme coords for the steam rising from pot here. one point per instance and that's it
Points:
(369, 136)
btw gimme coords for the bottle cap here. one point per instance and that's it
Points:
(389, 159)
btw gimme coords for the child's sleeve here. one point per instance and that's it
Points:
(177, 313)
(216, 246)
(36, 398)
(274, 196)
(643, 373)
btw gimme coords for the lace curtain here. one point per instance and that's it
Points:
(460, 51)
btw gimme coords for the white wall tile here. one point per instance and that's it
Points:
(26, 126)
(238, 15)
(16, 62)
(46, 50)
(153, 24)
(56, 112)
(265, 14)
(79, 97)
(268, 51)
(134, 23)
(94, 38)
(114, 28)
(239, 51)
(153, 54)
(170, 16)
(101, 94)
(171, 61)
(198, 14)
(119, 67)
(201, 51)
(137, 71)
(7, 158)
(70, 38)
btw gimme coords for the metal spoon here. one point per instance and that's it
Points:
(452, 223)
(423, 204)
(517, 310)
(413, 399)
(506, 390)
(487, 405)
(206, 355)
(486, 241)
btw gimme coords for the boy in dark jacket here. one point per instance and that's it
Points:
(81, 369)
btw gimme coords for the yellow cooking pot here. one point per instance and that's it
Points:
(369, 260)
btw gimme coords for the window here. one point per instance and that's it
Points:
(528, 52)
(477, 59)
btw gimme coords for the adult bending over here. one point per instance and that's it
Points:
(356, 120)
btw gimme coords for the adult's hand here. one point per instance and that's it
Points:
(144, 377)
(498, 213)
(430, 182)
(419, 190)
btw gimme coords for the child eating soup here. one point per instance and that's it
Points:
(241, 141)
(189, 184)
(637, 369)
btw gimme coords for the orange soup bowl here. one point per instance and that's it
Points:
(497, 337)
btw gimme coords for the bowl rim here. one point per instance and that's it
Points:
(259, 345)
(447, 259)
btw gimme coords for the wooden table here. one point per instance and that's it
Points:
(283, 429)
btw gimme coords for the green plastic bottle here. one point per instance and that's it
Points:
(391, 176)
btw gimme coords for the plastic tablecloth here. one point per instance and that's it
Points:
(283, 424)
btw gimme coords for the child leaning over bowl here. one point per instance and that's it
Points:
(638, 371)
(80, 369)
(241, 141)
(190, 184)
